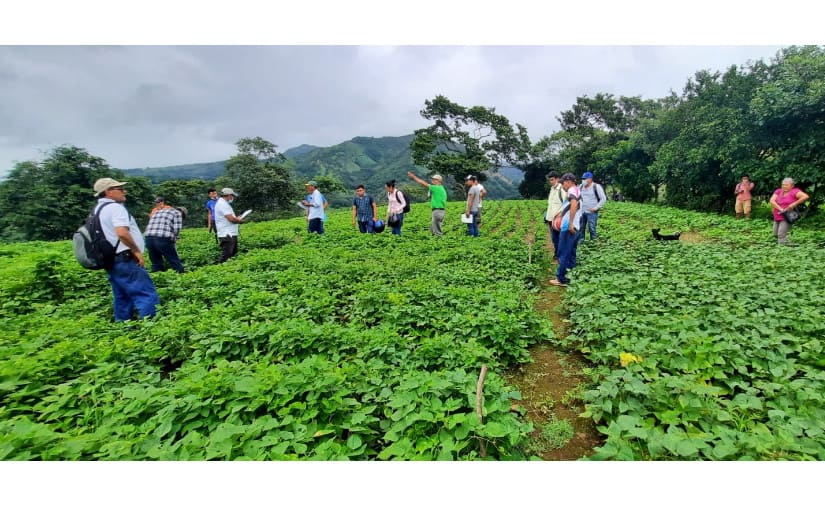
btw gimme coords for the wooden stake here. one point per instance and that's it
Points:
(479, 405)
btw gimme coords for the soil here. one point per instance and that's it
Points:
(549, 384)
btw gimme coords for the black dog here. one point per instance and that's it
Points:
(657, 236)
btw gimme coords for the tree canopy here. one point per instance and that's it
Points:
(463, 141)
(49, 200)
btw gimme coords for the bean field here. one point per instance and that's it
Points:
(368, 347)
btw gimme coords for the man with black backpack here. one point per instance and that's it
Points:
(132, 288)
(592, 199)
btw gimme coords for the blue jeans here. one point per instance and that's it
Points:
(589, 220)
(397, 229)
(160, 248)
(472, 228)
(567, 254)
(316, 226)
(365, 226)
(132, 288)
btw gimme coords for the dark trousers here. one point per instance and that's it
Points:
(160, 248)
(554, 236)
(365, 226)
(316, 226)
(229, 247)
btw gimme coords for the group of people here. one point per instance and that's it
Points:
(572, 210)
(784, 200)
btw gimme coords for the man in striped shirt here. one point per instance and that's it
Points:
(162, 233)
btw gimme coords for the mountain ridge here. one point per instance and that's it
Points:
(371, 161)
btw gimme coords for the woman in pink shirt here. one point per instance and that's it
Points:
(395, 207)
(782, 200)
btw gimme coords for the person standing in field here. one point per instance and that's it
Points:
(482, 193)
(226, 224)
(315, 208)
(364, 210)
(132, 288)
(162, 233)
(568, 234)
(783, 199)
(555, 202)
(592, 200)
(743, 197)
(210, 211)
(395, 207)
(473, 200)
(438, 201)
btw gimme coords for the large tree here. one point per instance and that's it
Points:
(790, 115)
(49, 200)
(258, 173)
(463, 141)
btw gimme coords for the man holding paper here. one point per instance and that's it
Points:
(226, 223)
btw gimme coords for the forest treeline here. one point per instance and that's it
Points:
(688, 150)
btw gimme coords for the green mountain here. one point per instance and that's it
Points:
(207, 171)
(362, 160)
(374, 161)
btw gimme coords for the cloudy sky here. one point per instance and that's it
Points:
(149, 105)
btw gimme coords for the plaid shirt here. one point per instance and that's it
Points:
(363, 207)
(165, 223)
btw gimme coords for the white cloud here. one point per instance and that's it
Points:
(138, 106)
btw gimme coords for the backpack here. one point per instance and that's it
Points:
(595, 190)
(406, 200)
(91, 248)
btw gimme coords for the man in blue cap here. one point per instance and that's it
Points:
(592, 200)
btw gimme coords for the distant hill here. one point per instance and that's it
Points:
(362, 160)
(207, 171)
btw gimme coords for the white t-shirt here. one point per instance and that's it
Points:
(224, 227)
(481, 193)
(117, 217)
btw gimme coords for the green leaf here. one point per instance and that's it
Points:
(354, 441)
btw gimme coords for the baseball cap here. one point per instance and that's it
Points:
(587, 175)
(568, 177)
(312, 183)
(159, 198)
(228, 191)
(470, 178)
(104, 183)
(437, 176)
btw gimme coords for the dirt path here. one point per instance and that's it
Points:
(552, 388)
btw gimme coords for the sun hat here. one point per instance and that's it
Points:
(104, 183)
(437, 176)
(312, 183)
(587, 175)
(568, 177)
(228, 191)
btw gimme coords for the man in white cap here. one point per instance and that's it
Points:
(315, 208)
(226, 224)
(132, 288)
(438, 200)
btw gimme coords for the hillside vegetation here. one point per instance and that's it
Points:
(362, 160)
